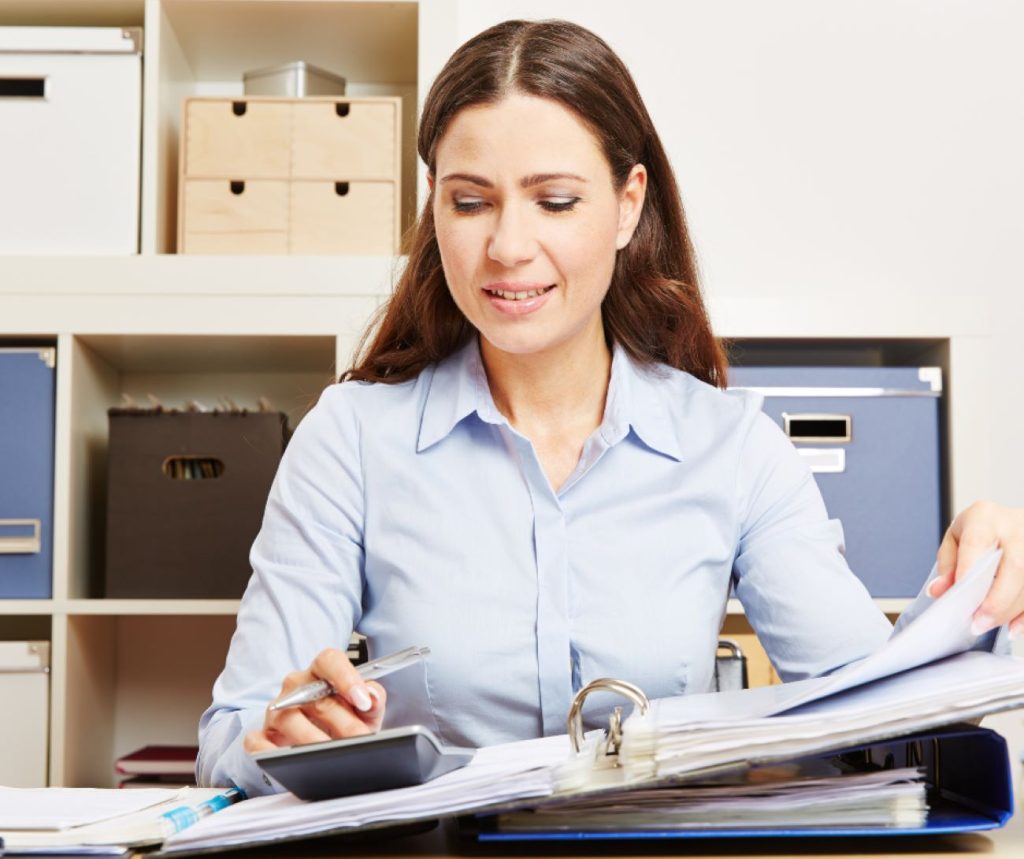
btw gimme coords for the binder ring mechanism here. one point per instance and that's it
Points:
(614, 733)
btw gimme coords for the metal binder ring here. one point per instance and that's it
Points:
(604, 684)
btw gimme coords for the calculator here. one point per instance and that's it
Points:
(394, 757)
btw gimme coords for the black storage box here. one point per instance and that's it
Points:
(185, 498)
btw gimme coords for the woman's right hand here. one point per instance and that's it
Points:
(356, 707)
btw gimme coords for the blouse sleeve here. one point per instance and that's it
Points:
(808, 609)
(305, 591)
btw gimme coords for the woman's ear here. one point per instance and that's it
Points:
(631, 204)
(430, 180)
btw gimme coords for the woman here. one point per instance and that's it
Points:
(533, 470)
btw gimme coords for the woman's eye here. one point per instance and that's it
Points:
(467, 204)
(559, 204)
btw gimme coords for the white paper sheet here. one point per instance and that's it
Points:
(63, 807)
(957, 688)
(147, 826)
(942, 629)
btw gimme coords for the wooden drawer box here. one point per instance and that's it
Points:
(342, 217)
(352, 140)
(225, 216)
(225, 138)
(278, 176)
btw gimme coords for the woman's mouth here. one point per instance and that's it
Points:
(518, 295)
(518, 299)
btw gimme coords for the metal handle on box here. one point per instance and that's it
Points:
(21, 544)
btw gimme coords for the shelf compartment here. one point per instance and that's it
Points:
(130, 681)
(203, 47)
(289, 371)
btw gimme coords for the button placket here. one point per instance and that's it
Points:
(550, 546)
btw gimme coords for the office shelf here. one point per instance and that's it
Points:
(130, 672)
(147, 607)
(15, 608)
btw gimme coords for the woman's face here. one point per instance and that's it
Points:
(528, 222)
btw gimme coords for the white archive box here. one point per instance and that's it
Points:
(70, 139)
(24, 729)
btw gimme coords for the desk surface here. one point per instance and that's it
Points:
(998, 844)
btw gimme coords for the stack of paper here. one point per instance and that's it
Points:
(758, 798)
(497, 774)
(98, 821)
(962, 687)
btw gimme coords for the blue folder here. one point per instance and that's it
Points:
(967, 770)
(27, 380)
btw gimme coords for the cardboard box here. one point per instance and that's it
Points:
(71, 114)
(185, 499)
(871, 438)
(25, 718)
(27, 389)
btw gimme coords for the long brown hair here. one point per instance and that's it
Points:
(653, 307)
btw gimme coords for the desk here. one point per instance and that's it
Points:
(1005, 843)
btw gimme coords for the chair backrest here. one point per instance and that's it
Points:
(730, 667)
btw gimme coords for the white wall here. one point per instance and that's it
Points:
(869, 148)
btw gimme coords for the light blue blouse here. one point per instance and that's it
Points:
(415, 514)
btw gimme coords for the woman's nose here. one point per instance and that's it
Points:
(512, 242)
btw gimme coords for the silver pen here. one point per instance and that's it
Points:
(368, 671)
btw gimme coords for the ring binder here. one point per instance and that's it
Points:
(614, 732)
(962, 782)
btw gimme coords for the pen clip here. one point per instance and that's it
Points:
(392, 662)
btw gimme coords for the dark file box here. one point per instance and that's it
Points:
(185, 498)
(871, 437)
(27, 380)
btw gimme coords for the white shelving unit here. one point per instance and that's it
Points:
(129, 672)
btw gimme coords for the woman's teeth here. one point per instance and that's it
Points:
(518, 296)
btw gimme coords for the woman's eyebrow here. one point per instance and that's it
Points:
(541, 178)
(468, 177)
(525, 182)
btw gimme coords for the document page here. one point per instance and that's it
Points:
(941, 630)
(63, 807)
(149, 825)
(957, 688)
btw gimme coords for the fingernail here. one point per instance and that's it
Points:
(932, 585)
(361, 698)
(981, 624)
(374, 694)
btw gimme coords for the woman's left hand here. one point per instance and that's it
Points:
(976, 530)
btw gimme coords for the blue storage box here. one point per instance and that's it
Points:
(871, 437)
(27, 378)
